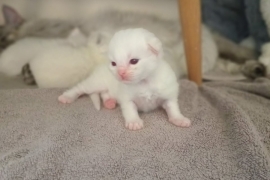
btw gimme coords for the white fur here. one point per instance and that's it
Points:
(265, 6)
(265, 57)
(209, 54)
(228, 66)
(17, 55)
(65, 66)
(145, 86)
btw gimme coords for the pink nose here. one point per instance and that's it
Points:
(122, 72)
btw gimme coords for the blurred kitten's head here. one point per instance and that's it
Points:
(9, 30)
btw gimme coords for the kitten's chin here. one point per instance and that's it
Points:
(127, 81)
(131, 81)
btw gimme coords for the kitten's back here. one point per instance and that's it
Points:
(17, 55)
(64, 66)
(46, 28)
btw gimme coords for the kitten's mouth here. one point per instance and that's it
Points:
(124, 78)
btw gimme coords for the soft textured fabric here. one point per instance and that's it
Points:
(229, 138)
(236, 19)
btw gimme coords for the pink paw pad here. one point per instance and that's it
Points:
(64, 99)
(110, 103)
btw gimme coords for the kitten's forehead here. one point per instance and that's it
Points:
(127, 42)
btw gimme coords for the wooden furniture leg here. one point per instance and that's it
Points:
(190, 20)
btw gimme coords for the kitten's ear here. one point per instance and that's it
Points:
(155, 46)
(12, 17)
(76, 37)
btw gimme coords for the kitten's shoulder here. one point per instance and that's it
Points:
(166, 70)
(165, 76)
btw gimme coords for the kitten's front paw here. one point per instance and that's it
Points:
(181, 122)
(110, 103)
(134, 125)
(65, 99)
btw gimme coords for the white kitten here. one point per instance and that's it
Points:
(137, 77)
(65, 66)
(17, 55)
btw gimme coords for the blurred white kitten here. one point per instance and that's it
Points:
(21, 52)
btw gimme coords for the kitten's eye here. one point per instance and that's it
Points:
(134, 61)
(113, 64)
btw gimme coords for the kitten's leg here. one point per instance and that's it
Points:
(174, 114)
(131, 116)
(108, 101)
(87, 86)
(90, 85)
(230, 50)
(254, 69)
(71, 95)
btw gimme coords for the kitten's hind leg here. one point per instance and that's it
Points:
(254, 69)
(174, 114)
(108, 101)
(88, 86)
(70, 95)
(230, 50)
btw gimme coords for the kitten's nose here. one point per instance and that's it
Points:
(121, 72)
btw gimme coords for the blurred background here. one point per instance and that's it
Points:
(70, 9)
(236, 19)
(240, 29)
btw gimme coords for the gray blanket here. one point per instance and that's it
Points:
(229, 139)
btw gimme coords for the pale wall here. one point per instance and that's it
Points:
(69, 9)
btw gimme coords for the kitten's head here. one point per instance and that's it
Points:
(9, 31)
(134, 54)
